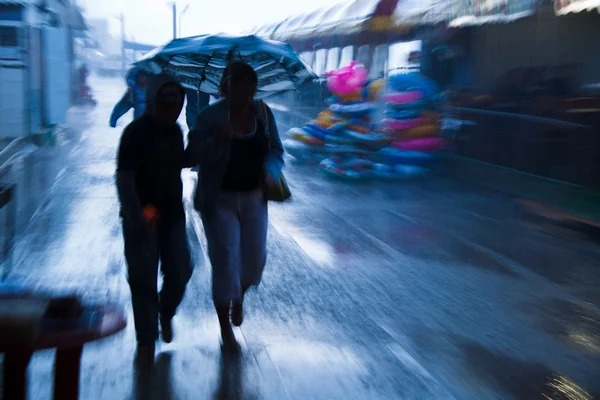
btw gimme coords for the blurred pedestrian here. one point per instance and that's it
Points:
(149, 162)
(135, 96)
(236, 144)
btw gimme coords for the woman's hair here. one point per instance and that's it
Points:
(237, 72)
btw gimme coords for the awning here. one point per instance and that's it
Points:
(562, 7)
(408, 14)
(354, 16)
(340, 19)
(344, 18)
(479, 12)
(422, 12)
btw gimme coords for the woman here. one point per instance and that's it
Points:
(237, 147)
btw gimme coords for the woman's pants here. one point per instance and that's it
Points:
(236, 232)
(169, 245)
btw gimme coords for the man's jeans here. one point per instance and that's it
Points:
(169, 245)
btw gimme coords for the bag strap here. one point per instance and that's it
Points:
(262, 109)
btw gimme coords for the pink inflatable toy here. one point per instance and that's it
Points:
(348, 79)
(425, 144)
(401, 124)
(403, 97)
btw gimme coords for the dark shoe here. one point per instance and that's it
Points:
(237, 313)
(144, 355)
(166, 329)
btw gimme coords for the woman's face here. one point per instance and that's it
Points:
(241, 93)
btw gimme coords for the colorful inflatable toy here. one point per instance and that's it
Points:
(400, 124)
(347, 80)
(403, 97)
(402, 145)
(423, 144)
(346, 125)
(356, 168)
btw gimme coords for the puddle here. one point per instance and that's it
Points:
(517, 379)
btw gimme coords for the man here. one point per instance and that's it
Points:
(149, 162)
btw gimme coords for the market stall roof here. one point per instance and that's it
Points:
(422, 12)
(562, 7)
(342, 18)
(469, 13)
(353, 16)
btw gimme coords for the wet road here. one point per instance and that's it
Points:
(425, 289)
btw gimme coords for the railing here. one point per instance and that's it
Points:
(542, 146)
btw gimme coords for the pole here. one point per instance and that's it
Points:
(123, 65)
(174, 20)
(181, 16)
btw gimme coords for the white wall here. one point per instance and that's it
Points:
(57, 75)
(13, 110)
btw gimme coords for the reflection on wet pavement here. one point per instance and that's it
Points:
(154, 383)
(577, 324)
(521, 379)
(425, 289)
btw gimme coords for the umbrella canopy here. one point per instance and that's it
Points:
(198, 62)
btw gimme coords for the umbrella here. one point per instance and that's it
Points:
(198, 62)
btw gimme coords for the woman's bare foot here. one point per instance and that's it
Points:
(237, 309)
(227, 335)
(237, 313)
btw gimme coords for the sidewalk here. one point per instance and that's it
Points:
(420, 290)
(74, 244)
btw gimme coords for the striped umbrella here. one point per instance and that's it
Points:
(198, 62)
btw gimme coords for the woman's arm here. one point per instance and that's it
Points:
(120, 109)
(274, 161)
(203, 143)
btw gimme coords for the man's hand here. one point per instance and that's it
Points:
(269, 181)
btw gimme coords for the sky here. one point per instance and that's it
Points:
(151, 21)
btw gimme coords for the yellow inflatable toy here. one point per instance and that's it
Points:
(350, 97)
(307, 139)
(374, 88)
(420, 132)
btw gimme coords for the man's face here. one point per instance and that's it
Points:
(169, 102)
